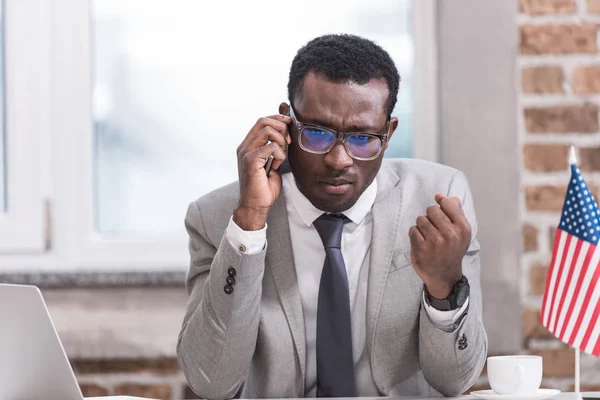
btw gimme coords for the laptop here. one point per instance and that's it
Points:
(33, 362)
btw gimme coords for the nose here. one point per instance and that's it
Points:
(338, 158)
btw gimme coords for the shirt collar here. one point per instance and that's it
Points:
(308, 212)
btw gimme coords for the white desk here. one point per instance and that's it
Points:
(561, 396)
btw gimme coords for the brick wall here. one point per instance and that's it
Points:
(558, 72)
(158, 378)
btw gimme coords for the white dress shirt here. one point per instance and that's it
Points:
(309, 258)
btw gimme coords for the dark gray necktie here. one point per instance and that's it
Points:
(335, 364)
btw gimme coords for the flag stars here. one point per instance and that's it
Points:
(585, 234)
(594, 238)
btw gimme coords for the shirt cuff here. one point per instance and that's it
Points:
(445, 320)
(246, 242)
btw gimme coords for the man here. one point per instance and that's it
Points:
(333, 274)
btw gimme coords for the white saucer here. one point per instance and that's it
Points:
(491, 395)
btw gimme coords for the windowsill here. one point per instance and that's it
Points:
(96, 279)
(117, 322)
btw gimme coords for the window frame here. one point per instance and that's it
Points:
(25, 124)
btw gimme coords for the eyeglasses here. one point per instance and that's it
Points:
(360, 146)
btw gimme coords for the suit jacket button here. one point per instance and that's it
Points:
(228, 289)
(232, 272)
(230, 280)
(462, 342)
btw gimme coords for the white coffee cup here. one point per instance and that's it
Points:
(515, 375)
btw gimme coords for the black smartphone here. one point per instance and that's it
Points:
(269, 164)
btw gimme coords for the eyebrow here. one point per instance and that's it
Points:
(352, 128)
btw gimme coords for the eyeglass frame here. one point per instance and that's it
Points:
(383, 137)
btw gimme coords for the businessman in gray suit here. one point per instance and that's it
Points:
(330, 272)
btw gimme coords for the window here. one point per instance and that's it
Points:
(177, 88)
(149, 100)
(22, 129)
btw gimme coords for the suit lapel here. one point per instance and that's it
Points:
(280, 261)
(386, 220)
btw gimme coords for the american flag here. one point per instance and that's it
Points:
(571, 304)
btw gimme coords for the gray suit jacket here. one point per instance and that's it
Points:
(251, 342)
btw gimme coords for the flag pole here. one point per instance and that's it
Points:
(573, 161)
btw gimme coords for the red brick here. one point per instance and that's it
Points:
(589, 159)
(558, 39)
(551, 236)
(586, 80)
(545, 198)
(530, 238)
(546, 157)
(557, 362)
(157, 366)
(532, 328)
(593, 6)
(188, 393)
(162, 392)
(562, 119)
(542, 80)
(547, 7)
(537, 279)
(93, 390)
(586, 388)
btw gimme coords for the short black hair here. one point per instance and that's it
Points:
(345, 58)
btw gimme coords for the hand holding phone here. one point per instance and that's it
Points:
(259, 187)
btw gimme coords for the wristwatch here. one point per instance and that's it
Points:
(455, 300)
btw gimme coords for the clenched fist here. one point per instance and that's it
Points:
(439, 241)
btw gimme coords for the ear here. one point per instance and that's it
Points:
(284, 109)
(393, 127)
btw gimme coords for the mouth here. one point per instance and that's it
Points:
(336, 186)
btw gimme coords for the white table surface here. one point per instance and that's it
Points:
(561, 396)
